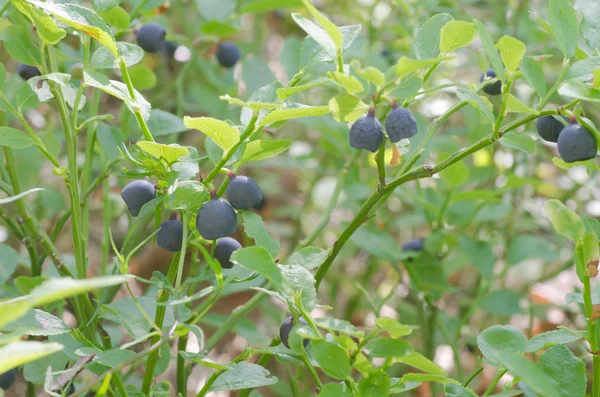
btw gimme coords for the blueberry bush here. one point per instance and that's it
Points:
(299, 198)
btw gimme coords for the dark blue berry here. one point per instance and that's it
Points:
(549, 128)
(136, 194)
(228, 54)
(7, 379)
(576, 143)
(151, 37)
(225, 247)
(416, 244)
(216, 219)
(491, 88)
(286, 328)
(261, 204)
(170, 235)
(366, 133)
(243, 193)
(400, 124)
(26, 72)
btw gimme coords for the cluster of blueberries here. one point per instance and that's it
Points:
(574, 141)
(367, 132)
(151, 38)
(216, 219)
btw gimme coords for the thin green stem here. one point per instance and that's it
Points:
(184, 220)
(181, 369)
(495, 381)
(556, 85)
(311, 370)
(505, 92)
(138, 115)
(472, 376)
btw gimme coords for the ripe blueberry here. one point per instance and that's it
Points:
(400, 124)
(261, 204)
(286, 328)
(228, 54)
(366, 133)
(26, 72)
(416, 244)
(136, 194)
(7, 379)
(216, 219)
(150, 37)
(223, 250)
(170, 235)
(549, 128)
(243, 193)
(576, 143)
(491, 88)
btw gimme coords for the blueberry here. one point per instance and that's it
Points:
(170, 48)
(223, 250)
(366, 133)
(26, 72)
(261, 204)
(7, 379)
(136, 194)
(228, 54)
(286, 328)
(151, 37)
(549, 128)
(400, 124)
(216, 219)
(243, 193)
(170, 235)
(493, 88)
(576, 143)
(416, 244)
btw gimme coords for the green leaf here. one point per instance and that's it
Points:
(332, 30)
(218, 28)
(512, 52)
(299, 282)
(332, 359)
(531, 374)
(260, 261)
(347, 108)
(372, 75)
(388, 348)
(503, 302)
(295, 112)
(565, 28)
(261, 6)
(142, 77)
(61, 288)
(590, 25)
(406, 66)
(490, 50)
(319, 35)
(402, 386)
(18, 353)
(377, 384)
(519, 141)
(421, 362)
(2, 77)
(45, 26)
(38, 323)
(312, 53)
(456, 34)
(566, 372)
(103, 5)
(249, 105)
(349, 83)
(530, 246)
(341, 326)
(82, 19)
(8, 261)
(203, 359)
(263, 149)
(308, 257)
(186, 195)
(102, 58)
(216, 9)
(334, 390)
(13, 309)
(480, 103)
(162, 123)
(116, 17)
(427, 40)
(19, 44)
(584, 69)
(14, 138)
(579, 90)
(499, 339)
(566, 222)
(118, 90)
(255, 229)
(377, 243)
(393, 327)
(550, 338)
(224, 135)
(480, 253)
(458, 391)
(169, 153)
(286, 92)
(429, 378)
(534, 74)
(243, 376)
(20, 195)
